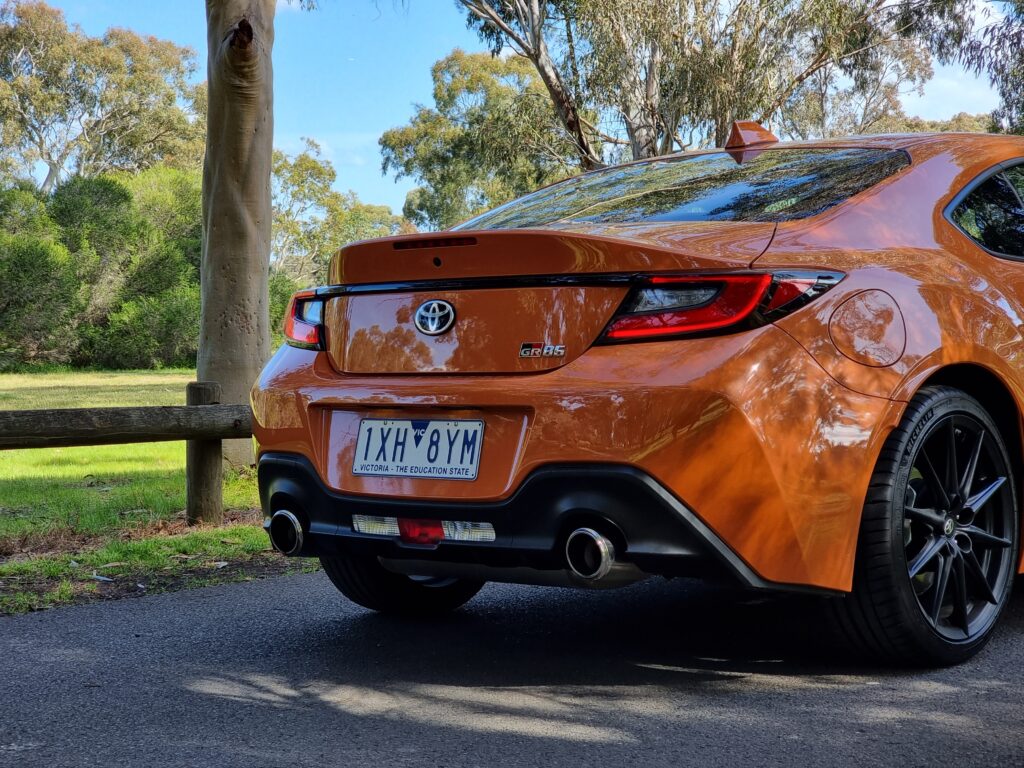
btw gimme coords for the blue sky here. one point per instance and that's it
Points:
(354, 68)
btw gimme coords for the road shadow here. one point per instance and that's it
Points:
(662, 668)
(286, 672)
(652, 632)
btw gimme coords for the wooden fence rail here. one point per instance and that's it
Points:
(204, 422)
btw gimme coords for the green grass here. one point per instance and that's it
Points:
(130, 568)
(81, 504)
(96, 489)
(93, 389)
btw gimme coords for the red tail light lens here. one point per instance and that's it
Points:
(429, 532)
(666, 306)
(303, 321)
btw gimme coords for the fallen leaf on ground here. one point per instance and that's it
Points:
(220, 564)
(113, 565)
(97, 577)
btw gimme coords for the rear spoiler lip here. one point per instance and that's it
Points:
(680, 246)
(593, 279)
(472, 237)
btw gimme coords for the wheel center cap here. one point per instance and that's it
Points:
(949, 526)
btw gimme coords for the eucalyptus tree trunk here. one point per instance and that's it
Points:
(641, 100)
(234, 339)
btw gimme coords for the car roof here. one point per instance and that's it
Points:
(904, 140)
(986, 149)
(871, 141)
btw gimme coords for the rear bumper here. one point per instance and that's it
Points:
(765, 449)
(650, 527)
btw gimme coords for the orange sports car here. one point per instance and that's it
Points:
(795, 366)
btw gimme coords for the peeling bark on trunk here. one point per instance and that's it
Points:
(565, 108)
(234, 340)
(52, 176)
(641, 99)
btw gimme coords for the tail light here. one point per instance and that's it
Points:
(682, 305)
(303, 322)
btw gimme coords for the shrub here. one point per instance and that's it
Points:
(169, 200)
(281, 289)
(150, 331)
(155, 271)
(96, 212)
(22, 212)
(37, 290)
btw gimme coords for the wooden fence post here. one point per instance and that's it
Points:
(204, 466)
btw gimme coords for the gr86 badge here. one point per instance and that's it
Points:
(540, 349)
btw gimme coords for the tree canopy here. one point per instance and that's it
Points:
(312, 220)
(998, 50)
(87, 105)
(662, 76)
(491, 135)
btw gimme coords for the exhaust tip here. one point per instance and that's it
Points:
(589, 554)
(285, 532)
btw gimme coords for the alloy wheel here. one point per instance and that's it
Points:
(958, 527)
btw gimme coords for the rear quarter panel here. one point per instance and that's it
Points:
(957, 303)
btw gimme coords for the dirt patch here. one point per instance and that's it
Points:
(57, 541)
(64, 541)
(42, 592)
(177, 524)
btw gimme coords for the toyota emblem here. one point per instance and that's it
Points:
(434, 317)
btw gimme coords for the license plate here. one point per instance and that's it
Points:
(428, 448)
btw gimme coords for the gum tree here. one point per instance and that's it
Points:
(81, 105)
(234, 338)
(663, 74)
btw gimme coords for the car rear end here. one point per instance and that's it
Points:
(585, 387)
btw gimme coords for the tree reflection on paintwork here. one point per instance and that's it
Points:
(771, 186)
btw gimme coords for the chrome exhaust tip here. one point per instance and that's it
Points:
(589, 554)
(285, 532)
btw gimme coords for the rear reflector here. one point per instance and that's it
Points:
(423, 531)
(420, 531)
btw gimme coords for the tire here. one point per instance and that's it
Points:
(937, 551)
(364, 581)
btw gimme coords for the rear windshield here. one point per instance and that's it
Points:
(767, 185)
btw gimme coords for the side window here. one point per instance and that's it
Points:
(1016, 177)
(993, 215)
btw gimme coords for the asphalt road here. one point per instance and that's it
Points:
(284, 672)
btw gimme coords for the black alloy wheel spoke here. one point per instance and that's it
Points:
(974, 568)
(967, 482)
(930, 517)
(977, 501)
(952, 474)
(927, 554)
(934, 482)
(941, 585)
(984, 539)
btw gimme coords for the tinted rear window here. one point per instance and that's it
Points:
(771, 185)
(992, 214)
